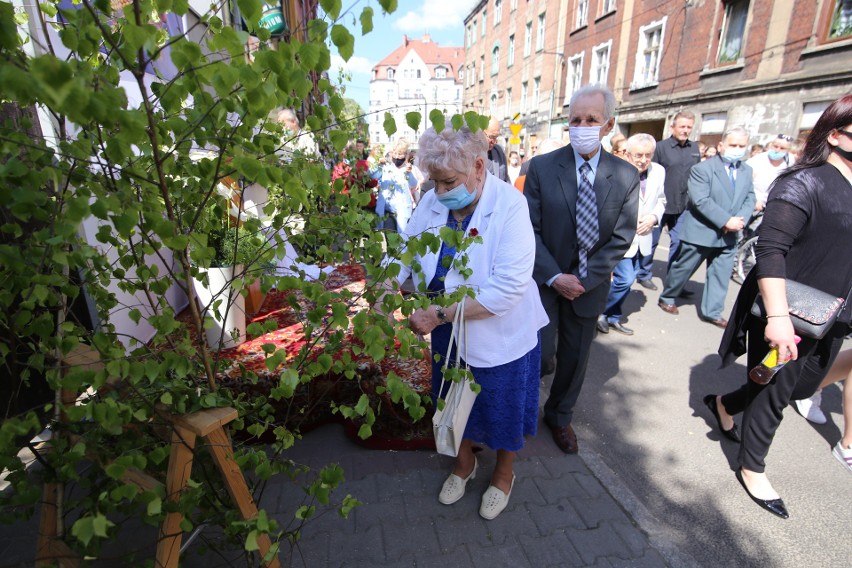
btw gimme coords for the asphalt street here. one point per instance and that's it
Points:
(645, 432)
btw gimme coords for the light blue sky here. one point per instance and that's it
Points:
(441, 19)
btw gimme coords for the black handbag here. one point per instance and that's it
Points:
(812, 311)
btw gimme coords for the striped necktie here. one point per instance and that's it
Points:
(587, 218)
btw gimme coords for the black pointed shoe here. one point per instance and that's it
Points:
(734, 433)
(774, 506)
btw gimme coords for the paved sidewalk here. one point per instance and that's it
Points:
(559, 514)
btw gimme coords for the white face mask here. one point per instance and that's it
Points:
(734, 154)
(585, 139)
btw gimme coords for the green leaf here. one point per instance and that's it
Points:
(155, 506)
(8, 29)
(389, 124)
(250, 10)
(413, 120)
(251, 541)
(331, 7)
(457, 121)
(339, 139)
(344, 41)
(366, 20)
(389, 6)
(438, 120)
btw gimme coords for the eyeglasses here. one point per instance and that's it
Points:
(785, 137)
(846, 133)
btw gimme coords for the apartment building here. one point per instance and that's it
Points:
(513, 64)
(771, 66)
(418, 76)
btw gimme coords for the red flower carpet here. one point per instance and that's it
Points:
(249, 369)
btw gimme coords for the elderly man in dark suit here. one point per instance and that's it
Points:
(721, 198)
(584, 205)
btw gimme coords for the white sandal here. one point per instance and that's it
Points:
(494, 501)
(454, 486)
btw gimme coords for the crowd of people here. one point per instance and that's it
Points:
(567, 232)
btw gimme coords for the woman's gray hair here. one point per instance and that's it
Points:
(450, 150)
(641, 139)
(603, 90)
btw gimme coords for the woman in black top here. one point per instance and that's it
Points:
(806, 236)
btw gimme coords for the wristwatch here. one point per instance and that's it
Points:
(442, 315)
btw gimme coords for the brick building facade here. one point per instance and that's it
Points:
(770, 66)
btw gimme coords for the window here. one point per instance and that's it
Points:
(495, 60)
(539, 40)
(390, 94)
(528, 39)
(811, 113)
(481, 68)
(484, 19)
(536, 93)
(469, 36)
(841, 20)
(607, 6)
(575, 75)
(473, 34)
(648, 55)
(440, 73)
(498, 11)
(472, 74)
(492, 105)
(510, 60)
(733, 31)
(600, 63)
(508, 111)
(523, 97)
(390, 74)
(406, 93)
(582, 13)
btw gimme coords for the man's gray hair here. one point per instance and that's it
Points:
(603, 90)
(451, 149)
(736, 131)
(641, 139)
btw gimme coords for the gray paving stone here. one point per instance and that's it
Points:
(404, 542)
(598, 542)
(532, 468)
(366, 548)
(651, 559)
(457, 530)
(509, 554)
(526, 491)
(558, 488)
(459, 556)
(563, 463)
(594, 510)
(590, 484)
(555, 516)
(511, 524)
(633, 537)
(555, 551)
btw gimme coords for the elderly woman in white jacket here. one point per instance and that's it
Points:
(506, 314)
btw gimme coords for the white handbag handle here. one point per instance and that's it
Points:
(460, 329)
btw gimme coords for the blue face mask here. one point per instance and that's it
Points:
(776, 155)
(457, 198)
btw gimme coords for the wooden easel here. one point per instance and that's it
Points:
(209, 425)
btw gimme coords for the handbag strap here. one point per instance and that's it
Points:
(459, 329)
